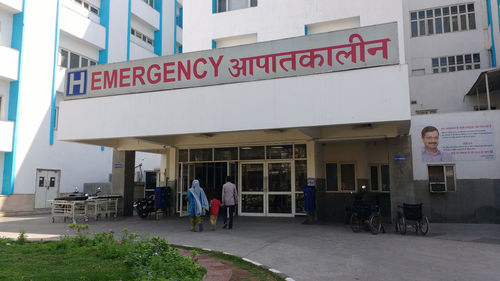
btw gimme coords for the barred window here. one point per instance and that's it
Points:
(141, 36)
(456, 63)
(230, 5)
(443, 20)
(86, 4)
(69, 59)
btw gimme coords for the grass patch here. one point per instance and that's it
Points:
(97, 257)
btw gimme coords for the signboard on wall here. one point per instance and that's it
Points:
(465, 140)
(468, 142)
(312, 54)
(453, 142)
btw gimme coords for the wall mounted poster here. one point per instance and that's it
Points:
(457, 142)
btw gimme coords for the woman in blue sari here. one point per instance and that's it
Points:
(198, 204)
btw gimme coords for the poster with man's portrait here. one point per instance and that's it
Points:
(457, 142)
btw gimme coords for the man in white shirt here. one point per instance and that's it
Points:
(229, 199)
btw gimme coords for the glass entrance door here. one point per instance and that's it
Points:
(279, 182)
(212, 175)
(252, 189)
(266, 189)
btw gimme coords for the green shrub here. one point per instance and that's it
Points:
(21, 238)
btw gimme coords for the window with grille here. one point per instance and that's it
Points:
(340, 177)
(440, 20)
(150, 2)
(142, 36)
(441, 178)
(230, 5)
(379, 178)
(68, 59)
(86, 4)
(456, 63)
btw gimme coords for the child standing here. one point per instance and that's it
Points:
(214, 211)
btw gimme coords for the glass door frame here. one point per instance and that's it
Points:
(181, 191)
(182, 187)
(291, 193)
(241, 192)
(265, 192)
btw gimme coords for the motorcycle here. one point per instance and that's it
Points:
(145, 206)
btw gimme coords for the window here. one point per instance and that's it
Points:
(425, 111)
(86, 4)
(340, 177)
(379, 178)
(441, 178)
(150, 3)
(230, 5)
(333, 25)
(69, 59)
(442, 20)
(279, 152)
(252, 152)
(178, 17)
(56, 121)
(141, 36)
(300, 182)
(456, 63)
(204, 154)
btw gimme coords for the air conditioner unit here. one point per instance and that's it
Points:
(437, 187)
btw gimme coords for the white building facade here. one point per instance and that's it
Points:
(39, 41)
(449, 44)
(275, 132)
(272, 135)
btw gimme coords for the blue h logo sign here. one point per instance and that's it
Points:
(77, 83)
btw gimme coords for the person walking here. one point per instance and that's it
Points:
(229, 199)
(198, 204)
(214, 211)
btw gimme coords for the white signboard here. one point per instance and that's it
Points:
(448, 142)
(312, 54)
(473, 141)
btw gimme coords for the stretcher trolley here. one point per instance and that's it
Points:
(69, 209)
(111, 206)
(97, 207)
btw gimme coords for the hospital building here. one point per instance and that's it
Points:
(277, 94)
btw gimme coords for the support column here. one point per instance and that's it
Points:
(314, 172)
(401, 173)
(487, 90)
(168, 168)
(163, 169)
(122, 181)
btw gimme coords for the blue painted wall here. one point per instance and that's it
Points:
(159, 33)
(13, 110)
(104, 21)
(54, 90)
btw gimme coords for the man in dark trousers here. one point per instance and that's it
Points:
(229, 199)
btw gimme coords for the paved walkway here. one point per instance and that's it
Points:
(317, 252)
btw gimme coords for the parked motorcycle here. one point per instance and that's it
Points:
(145, 206)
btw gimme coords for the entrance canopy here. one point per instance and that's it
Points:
(331, 86)
(487, 85)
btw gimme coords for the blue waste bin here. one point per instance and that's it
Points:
(309, 198)
(160, 197)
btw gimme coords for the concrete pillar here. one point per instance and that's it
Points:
(314, 172)
(163, 169)
(122, 181)
(168, 168)
(401, 172)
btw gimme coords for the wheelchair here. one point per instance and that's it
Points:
(411, 216)
(365, 214)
